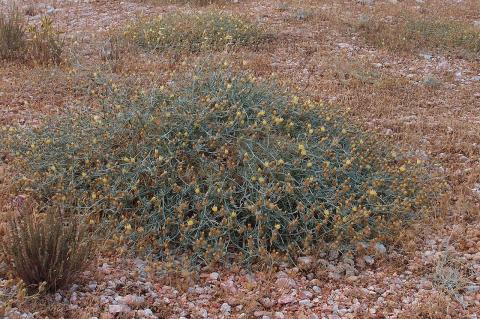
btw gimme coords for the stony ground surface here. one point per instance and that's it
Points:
(436, 275)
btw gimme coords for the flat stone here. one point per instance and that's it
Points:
(260, 313)
(472, 288)
(285, 283)
(305, 294)
(267, 302)
(305, 303)
(225, 308)
(132, 300)
(305, 262)
(369, 260)
(380, 248)
(214, 276)
(113, 309)
(286, 299)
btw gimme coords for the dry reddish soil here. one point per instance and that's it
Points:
(317, 50)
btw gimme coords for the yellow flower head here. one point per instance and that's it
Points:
(295, 100)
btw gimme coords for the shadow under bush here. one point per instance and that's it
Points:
(220, 166)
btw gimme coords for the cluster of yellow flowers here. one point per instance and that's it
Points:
(222, 167)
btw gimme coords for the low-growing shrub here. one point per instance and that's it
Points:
(194, 32)
(47, 250)
(222, 166)
(407, 32)
(12, 35)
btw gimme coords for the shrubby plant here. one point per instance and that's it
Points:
(194, 32)
(221, 166)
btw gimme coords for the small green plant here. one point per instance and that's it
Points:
(47, 250)
(220, 166)
(194, 32)
(12, 35)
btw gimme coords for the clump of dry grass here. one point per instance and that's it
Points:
(32, 44)
(436, 306)
(357, 74)
(410, 32)
(46, 250)
(13, 40)
(45, 45)
(448, 276)
(194, 32)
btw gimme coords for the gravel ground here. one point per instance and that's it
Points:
(367, 287)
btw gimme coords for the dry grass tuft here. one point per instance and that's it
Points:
(30, 44)
(437, 306)
(45, 45)
(409, 32)
(448, 276)
(12, 35)
(46, 251)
